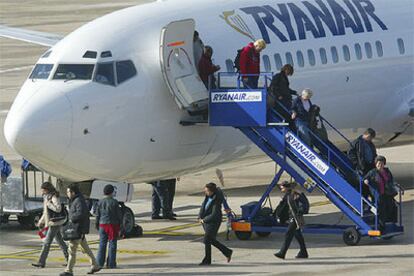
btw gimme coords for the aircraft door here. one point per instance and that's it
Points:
(178, 66)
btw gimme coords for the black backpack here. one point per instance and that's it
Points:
(305, 203)
(237, 59)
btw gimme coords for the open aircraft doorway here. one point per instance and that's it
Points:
(178, 66)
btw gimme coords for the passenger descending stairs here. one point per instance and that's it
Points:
(325, 167)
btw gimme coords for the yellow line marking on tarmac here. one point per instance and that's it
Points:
(320, 203)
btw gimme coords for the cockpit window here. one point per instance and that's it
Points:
(125, 70)
(74, 72)
(41, 71)
(47, 54)
(105, 73)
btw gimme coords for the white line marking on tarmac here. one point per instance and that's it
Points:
(15, 69)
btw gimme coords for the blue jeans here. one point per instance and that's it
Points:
(303, 131)
(252, 82)
(103, 242)
(52, 233)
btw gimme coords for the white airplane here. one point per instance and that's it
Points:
(105, 101)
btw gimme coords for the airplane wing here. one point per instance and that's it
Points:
(40, 38)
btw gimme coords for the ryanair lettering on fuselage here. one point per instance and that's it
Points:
(236, 96)
(294, 21)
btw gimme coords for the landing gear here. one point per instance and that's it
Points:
(351, 236)
(128, 220)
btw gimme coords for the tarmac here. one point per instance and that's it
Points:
(174, 247)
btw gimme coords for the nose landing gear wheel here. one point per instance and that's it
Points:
(351, 236)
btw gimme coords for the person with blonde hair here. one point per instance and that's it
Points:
(250, 63)
(301, 107)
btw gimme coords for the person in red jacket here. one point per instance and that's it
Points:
(250, 63)
(206, 67)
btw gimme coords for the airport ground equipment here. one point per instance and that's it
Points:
(322, 165)
(21, 196)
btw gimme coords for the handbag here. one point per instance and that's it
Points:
(321, 131)
(70, 231)
(62, 215)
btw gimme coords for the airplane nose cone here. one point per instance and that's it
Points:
(41, 129)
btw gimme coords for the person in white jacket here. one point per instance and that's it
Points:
(53, 217)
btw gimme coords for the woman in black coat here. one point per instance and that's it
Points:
(210, 217)
(382, 181)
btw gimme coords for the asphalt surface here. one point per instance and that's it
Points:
(174, 248)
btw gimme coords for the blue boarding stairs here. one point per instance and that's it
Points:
(322, 165)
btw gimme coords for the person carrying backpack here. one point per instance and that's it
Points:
(54, 216)
(249, 63)
(298, 205)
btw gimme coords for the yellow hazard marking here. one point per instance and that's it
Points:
(320, 203)
(143, 252)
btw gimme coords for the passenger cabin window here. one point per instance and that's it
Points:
(289, 59)
(322, 53)
(41, 71)
(358, 51)
(368, 50)
(125, 70)
(105, 73)
(299, 57)
(334, 53)
(266, 62)
(74, 72)
(347, 54)
(401, 46)
(278, 61)
(106, 54)
(311, 57)
(378, 46)
(229, 65)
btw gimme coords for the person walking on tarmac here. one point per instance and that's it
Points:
(108, 221)
(79, 217)
(53, 217)
(250, 63)
(293, 201)
(210, 217)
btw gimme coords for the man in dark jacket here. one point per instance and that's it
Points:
(210, 217)
(292, 201)
(362, 154)
(206, 68)
(250, 63)
(108, 222)
(79, 216)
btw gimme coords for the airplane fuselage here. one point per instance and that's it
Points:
(357, 57)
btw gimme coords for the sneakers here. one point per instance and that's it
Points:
(39, 265)
(279, 255)
(93, 270)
